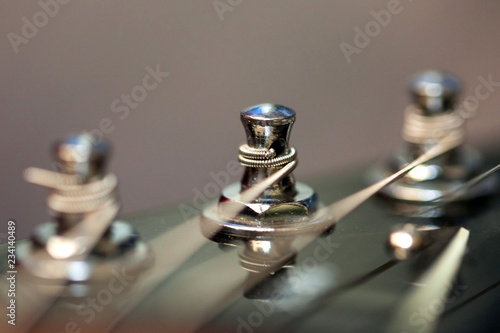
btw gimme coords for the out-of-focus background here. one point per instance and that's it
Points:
(68, 66)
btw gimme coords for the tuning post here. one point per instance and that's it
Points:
(286, 207)
(433, 117)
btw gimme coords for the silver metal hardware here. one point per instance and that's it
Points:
(266, 256)
(83, 202)
(433, 118)
(284, 207)
(434, 92)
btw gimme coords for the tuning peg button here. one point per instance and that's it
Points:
(434, 92)
(82, 156)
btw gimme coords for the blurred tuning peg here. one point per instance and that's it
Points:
(83, 203)
(431, 118)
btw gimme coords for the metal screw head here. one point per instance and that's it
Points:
(434, 92)
(82, 156)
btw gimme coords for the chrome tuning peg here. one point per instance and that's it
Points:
(83, 203)
(432, 118)
(284, 207)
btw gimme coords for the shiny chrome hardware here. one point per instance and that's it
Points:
(283, 208)
(84, 242)
(433, 117)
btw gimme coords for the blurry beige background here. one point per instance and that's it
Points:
(67, 74)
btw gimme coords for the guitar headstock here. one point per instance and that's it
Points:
(410, 245)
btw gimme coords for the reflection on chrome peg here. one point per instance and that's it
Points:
(266, 255)
(284, 207)
(83, 242)
(433, 117)
(275, 274)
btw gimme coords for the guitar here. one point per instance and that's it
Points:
(272, 254)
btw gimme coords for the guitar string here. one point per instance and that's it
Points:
(444, 199)
(471, 299)
(334, 292)
(318, 302)
(453, 194)
(41, 303)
